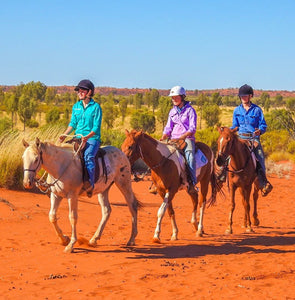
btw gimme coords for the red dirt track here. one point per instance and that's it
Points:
(260, 265)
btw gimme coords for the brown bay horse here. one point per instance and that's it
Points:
(169, 176)
(235, 156)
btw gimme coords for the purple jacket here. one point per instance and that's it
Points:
(181, 121)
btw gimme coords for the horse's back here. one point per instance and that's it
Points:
(117, 159)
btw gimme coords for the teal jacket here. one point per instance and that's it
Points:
(85, 120)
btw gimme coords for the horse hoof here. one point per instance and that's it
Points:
(249, 230)
(199, 234)
(68, 249)
(156, 241)
(131, 243)
(92, 243)
(228, 231)
(256, 222)
(174, 238)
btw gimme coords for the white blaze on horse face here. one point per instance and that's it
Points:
(30, 163)
(220, 144)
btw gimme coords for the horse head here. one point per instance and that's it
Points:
(225, 142)
(32, 161)
(130, 145)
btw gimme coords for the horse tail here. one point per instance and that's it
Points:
(216, 188)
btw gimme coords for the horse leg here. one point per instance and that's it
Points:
(246, 199)
(103, 200)
(73, 216)
(161, 212)
(229, 229)
(194, 198)
(173, 222)
(202, 205)
(255, 198)
(54, 204)
(124, 186)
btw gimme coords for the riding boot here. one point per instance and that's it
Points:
(264, 185)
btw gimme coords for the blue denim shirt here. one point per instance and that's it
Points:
(247, 121)
(85, 120)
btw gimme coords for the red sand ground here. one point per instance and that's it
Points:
(260, 265)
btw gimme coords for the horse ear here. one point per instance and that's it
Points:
(235, 129)
(25, 143)
(126, 132)
(220, 129)
(37, 141)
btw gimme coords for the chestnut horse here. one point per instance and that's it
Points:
(169, 176)
(241, 168)
(66, 181)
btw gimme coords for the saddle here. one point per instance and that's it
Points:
(180, 145)
(100, 154)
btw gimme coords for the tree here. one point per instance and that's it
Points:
(211, 113)
(35, 90)
(52, 116)
(137, 100)
(216, 99)
(201, 99)
(26, 109)
(123, 103)
(50, 95)
(11, 103)
(110, 113)
(278, 100)
(143, 120)
(164, 107)
(281, 119)
(155, 95)
(264, 98)
(290, 104)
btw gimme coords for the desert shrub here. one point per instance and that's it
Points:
(32, 123)
(5, 124)
(112, 137)
(291, 147)
(275, 141)
(279, 156)
(208, 136)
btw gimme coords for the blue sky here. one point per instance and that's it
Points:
(149, 44)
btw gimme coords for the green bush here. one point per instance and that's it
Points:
(208, 136)
(5, 124)
(275, 141)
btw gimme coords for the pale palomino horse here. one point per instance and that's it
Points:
(241, 173)
(65, 170)
(169, 176)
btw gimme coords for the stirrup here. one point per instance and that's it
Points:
(266, 189)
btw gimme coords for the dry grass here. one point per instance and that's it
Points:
(282, 170)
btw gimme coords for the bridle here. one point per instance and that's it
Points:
(38, 165)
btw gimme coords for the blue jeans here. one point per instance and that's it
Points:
(189, 153)
(258, 151)
(90, 151)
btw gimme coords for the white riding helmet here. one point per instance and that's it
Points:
(177, 90)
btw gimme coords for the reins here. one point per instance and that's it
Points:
(163, 160)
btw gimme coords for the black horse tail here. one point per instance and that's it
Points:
(216, 188)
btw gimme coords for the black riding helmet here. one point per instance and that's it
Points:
(85, 84)
(245, 90)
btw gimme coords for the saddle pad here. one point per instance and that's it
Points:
(201, 159)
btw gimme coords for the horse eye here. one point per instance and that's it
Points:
(130, 147)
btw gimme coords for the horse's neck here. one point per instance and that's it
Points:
(55, 159)
(240, 155)
(152, 152)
